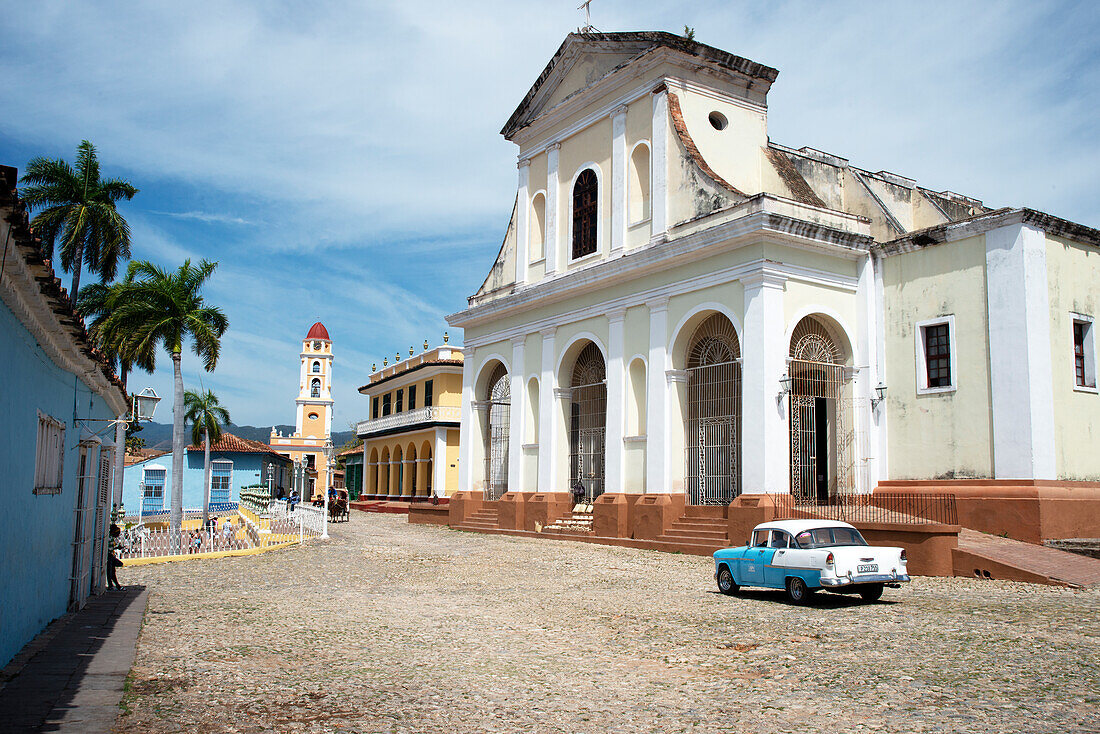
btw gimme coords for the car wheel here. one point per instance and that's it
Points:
(797, 591)
(871, 592)
(726, 584)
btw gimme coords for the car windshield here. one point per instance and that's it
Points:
(826, 537)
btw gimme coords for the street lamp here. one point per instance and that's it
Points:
(145, 404)
(329, 451)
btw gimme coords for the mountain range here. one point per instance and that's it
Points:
(159, 435)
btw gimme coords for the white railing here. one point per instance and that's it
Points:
(311, 520)
(435, 413)
(141, 542)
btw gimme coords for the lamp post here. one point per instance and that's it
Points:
(329, 451)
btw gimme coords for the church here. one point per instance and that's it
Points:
(313, 415)
(685, 311)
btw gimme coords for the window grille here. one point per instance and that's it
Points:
(1079, 351)
(374, 408)
(315, 390)
(152, 496)
(317, 367)
(499, 397)
(588, 423)
(585, 210)
(427, 393)
(937, 355)
(220, 474)
(99, 530)
(386, 404)
(412, 397)
(713, 425)
(400, 400)
(49, 457)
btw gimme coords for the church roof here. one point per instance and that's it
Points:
(228, 443)
(634, 43)
(318, 331)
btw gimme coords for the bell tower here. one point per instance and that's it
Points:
(314, 414)
(313, 418)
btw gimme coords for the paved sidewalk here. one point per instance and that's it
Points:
(70, 677)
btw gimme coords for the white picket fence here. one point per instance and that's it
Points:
(242, 533)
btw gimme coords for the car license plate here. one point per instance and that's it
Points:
(867, 568)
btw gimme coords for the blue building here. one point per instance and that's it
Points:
(235, 463)
(58, 399)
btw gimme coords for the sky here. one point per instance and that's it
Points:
(342, 160)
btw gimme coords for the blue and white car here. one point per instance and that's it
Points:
(802, 556)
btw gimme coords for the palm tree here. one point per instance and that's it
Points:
(154, 307)
(93, 303)
(79, 208)
(207, 417)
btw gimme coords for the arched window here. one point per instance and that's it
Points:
(588, 423)
(638, 184)
(585, 209)
(315, 390)
(538, 227)
(713, 427)
(317, 367)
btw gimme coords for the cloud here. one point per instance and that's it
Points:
(207, 217)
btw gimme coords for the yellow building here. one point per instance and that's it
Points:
(410, 442)
(313, 419)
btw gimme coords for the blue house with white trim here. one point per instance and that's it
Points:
(235, 463)
(57, 402)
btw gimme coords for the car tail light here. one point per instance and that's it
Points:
(903, 559)
(829, 560)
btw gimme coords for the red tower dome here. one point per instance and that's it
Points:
(318, 331)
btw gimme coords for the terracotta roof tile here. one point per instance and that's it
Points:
(235, 444)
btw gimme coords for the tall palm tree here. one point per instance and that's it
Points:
(207, 416)
(154, 307)
(93, 303)
(79, 209)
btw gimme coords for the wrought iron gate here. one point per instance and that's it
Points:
(588, 423)
(713, 430)
(496, 434)
(823, 437)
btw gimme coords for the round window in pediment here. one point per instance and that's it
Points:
(717, 120)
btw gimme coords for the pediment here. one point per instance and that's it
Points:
(583, 59)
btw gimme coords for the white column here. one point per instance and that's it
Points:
(551, 243)
(614, 455)
(657, 400)
(517, 412)
(765, 447)
(1020, 371)
(618, 180)
(469, 432)
(547, 408)
(439, 463)
(659, 163)
(523, 228)
(868, 377)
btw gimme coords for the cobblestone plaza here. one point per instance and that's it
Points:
(391, 627)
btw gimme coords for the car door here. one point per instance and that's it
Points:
(757, 556)
(775, 573)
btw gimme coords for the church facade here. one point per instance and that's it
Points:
(683, 307)
(313, 414)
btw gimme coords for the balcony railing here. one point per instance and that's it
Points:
(433, 414)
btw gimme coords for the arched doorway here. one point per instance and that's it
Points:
(713, 417)
(588, 422)
(821, 420)
(499, 399)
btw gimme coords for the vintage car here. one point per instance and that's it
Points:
(802, 556)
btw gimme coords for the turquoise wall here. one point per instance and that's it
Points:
(36, 531)
(247, 469)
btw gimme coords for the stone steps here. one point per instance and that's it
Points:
(699, 532)
(487, 518)
(578, 521)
